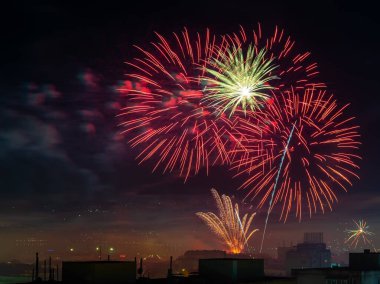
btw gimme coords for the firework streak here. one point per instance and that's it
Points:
(275, 185)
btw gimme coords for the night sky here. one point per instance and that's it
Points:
(68, 180)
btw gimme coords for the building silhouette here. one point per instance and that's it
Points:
(311, 253)
(99, 272)
(363, 268)
(231, 270)
(188, 262)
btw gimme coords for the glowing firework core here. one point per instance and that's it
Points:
(245, 92)
(238, 79)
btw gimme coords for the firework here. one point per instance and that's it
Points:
(164, 117)
(300, 152)
(233, 231)
(246, 69)
(293, 68)
(180, 89)
(238, 79)
(360, 232)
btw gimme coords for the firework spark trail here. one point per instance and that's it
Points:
(230, 229)
(275, 185)
(241, 226)
(374, 248)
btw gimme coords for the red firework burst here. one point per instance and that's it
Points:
(307, 142)
(164, 117)
(294, 69)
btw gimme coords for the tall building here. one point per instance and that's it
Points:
(312, 253)
(282, 252)
(313, 237)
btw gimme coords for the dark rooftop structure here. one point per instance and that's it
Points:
(364, 268)
(99, 272)
(365, 261)
(231, 270)
(190, 259)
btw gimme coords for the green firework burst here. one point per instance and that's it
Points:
(238, 79)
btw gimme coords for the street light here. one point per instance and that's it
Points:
(110, 251)
(99, 250)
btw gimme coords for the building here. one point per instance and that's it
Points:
(99, 272)
(312, 253)
(365, 261)
(188, 262)
(154, 266)
(313, 237)
(231, 270)
(282, 252)
(364, 268)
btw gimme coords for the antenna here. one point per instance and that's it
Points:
(37, 268)
(57, 273)
(170, 270)
(140, 270)
(45, 270)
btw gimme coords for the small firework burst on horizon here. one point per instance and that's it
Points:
(359, 233)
